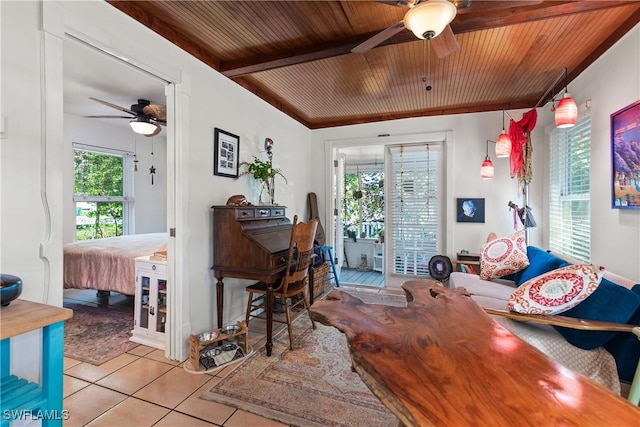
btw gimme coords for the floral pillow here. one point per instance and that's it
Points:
(556, 291)
(503, 256)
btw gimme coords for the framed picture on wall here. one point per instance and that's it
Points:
(226, 153)
(470, 210)
(625, 157)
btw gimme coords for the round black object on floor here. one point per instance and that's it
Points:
(10, 288)
(440, 267)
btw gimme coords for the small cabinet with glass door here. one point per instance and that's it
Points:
(150, 316)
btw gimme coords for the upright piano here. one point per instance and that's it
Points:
(250, 242)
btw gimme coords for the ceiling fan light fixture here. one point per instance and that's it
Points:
(566, 114)
(429, 18)
(143, 126)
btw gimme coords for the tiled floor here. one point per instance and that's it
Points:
(142, 388)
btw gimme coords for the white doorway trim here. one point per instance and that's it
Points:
(333, 203)
(56, 27)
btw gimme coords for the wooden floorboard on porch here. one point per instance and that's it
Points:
(351, 276)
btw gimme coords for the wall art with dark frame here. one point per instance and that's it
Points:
(226, 155)
(625, 157)
(470, 210)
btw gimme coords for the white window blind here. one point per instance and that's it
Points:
(415, 207)
(569, 190)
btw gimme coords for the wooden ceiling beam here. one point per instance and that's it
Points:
(463, 24)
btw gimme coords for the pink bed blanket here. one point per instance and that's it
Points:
(108, 264)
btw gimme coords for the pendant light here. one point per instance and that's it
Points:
(503, 143)
(486, 170)
(566, 112)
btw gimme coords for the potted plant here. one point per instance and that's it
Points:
(264, 173)
(381, 235)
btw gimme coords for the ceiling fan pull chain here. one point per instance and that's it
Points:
(152, 169)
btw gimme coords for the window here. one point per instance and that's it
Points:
(569, 190)
(416, 182)
(102, 193)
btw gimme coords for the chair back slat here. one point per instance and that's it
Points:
(300, 252)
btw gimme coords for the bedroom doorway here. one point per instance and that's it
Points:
(96, 82)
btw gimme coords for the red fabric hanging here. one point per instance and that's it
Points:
(521, 149)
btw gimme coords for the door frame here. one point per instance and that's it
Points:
(333, 203)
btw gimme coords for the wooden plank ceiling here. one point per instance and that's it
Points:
(297, 56)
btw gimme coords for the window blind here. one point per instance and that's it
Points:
(569, 191)
(415, 207)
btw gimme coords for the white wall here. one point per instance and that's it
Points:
(611, 83)
(150, 200)
(465, 152)
(35, 154)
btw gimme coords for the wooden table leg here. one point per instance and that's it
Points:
(219, 300)
(269, 304)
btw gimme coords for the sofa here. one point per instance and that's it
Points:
(607, 357)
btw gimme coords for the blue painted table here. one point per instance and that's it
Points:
(20, 398)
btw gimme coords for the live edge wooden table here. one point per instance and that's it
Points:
(19, 397)
(442, 361)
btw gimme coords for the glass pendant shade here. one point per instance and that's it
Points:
(428, 19)
(486, 171)
(503, 145)
(566, 112)
(142, 126)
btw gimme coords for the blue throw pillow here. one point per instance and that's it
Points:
(625, 347)
(608, 303)
(540, 262)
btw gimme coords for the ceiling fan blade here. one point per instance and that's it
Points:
(109, 117)
(117, 107)
(476, 6)
(382, 36)
(402, 3)
(157, 111)
(445, 44)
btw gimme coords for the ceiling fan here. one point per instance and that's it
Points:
(145, 118)
(430, 19)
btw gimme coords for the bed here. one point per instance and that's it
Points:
(108, 264)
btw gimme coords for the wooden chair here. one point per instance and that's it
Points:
(295, 280)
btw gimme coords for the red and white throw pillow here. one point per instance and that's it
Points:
(503, 256)
(556, 291)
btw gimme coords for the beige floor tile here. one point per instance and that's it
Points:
(70, 385)
(131, 412)
(141, 350)
(172, 388)
(247, 419)
(158, 355)
(176, 419)
(205, 409)
(134, 376)
(92, 373)
(88, 403)
(70, 363)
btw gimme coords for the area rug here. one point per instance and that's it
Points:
(312, 385)
(96, 335)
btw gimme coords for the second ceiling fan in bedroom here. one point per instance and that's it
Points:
(430, 19)
(145, 118)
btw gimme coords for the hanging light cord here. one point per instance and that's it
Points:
(543, 100)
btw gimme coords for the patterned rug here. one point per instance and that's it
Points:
(96, 335)
(310, 386)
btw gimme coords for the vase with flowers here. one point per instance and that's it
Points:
(263, 172)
